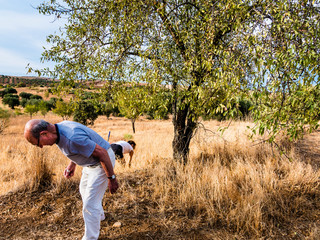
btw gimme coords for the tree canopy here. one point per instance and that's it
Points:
(209, 53)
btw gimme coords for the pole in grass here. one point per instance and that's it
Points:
(109, 136)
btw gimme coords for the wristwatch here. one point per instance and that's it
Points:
(112, 177)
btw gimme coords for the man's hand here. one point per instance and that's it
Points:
(113, 185)
(69, 171)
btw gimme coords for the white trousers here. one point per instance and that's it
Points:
(93, 185)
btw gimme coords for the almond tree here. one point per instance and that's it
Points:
(263, 49)
(131, 103)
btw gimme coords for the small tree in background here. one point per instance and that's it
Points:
(106, 109)
(11, 100)
(85, 112)
(131, 102)
(63, 109)
(31, 109)
(43, 108)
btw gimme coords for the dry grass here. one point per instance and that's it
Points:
(230, 189)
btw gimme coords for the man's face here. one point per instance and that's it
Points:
(45, 138)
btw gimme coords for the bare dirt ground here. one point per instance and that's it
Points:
(51, 212)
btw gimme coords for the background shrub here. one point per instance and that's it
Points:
(85, 112)
(4, 119)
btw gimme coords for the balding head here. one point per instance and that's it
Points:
(33, 128)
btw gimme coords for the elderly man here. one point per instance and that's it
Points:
(86, 148)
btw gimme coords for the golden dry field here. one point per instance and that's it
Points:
(231, 188)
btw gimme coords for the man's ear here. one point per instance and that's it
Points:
(44, 132)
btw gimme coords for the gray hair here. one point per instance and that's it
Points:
(42, 125)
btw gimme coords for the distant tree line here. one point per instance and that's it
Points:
(125, 102)
(24, 82)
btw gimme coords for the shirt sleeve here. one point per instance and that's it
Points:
(81, 144)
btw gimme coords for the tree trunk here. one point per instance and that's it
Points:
(133, 127)
(184, 127)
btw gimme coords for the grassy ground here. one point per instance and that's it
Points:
(231, 188)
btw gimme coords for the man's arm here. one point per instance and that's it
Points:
(130, 154)
(102, 155)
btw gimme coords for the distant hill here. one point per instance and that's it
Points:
(32, 80)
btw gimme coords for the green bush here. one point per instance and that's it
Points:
(85, 112)
(63, 109)
(52, 103)
(25, 95)
(11, 100)
(127, 137)
(8, 90)
(106, 109)
(36, 97)
(23, 102)
(34, 102)
(244, 107)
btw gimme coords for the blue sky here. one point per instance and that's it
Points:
(23, 34)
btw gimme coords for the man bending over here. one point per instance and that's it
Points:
(122, 147)
(86, 148)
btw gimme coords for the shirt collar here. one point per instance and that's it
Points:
(58, 134)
